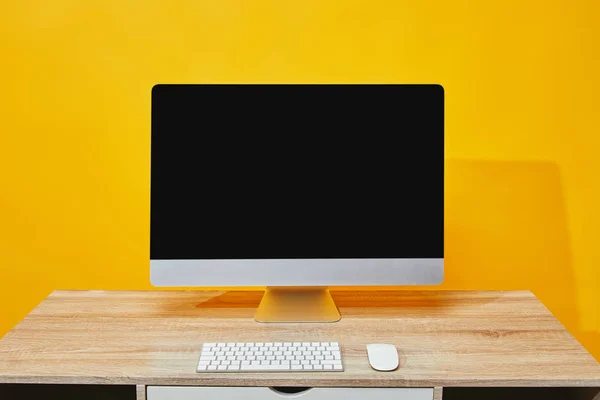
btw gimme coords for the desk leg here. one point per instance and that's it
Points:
(140, 392)
(437, 393)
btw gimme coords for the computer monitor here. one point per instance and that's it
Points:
(297, 188)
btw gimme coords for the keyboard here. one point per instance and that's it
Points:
(268, 356)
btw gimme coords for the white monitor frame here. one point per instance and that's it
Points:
(297, 272)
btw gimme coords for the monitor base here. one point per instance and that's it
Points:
(297, 304)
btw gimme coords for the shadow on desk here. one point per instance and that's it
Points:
(518, 393)
(352, 303)
(67, 392)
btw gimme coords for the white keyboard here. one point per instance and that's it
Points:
(277, 356)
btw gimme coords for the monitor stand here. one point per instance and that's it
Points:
(297, 304)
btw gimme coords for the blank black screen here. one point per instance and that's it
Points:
(297, 171)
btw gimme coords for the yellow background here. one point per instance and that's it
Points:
(521, 81)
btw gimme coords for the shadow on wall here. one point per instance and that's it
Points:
(506, 228)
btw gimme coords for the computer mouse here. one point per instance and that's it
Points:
(383, 357)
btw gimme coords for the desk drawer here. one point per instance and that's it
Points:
(263, 393)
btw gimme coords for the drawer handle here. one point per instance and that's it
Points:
(290, 391)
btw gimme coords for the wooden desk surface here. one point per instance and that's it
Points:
(154, 338)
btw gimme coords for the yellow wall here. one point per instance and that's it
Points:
(521, 80)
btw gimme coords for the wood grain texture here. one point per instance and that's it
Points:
(140, 392)
(444, 338)
(438, 393)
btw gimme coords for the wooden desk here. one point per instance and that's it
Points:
(445, 339)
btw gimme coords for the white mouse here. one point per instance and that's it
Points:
(383, 357)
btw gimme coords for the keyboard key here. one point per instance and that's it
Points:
(251, 367)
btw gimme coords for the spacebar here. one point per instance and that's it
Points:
(264, 368)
